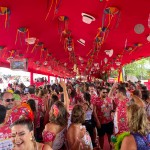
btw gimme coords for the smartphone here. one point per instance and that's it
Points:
(26, 90)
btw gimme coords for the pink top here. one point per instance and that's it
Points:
(57, 140)
(48, 136)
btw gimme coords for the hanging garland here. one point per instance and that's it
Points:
(68, 41)
(22, 34)
(131, 49)
(97, 45)
(136, 45)
(63, 24)
(68, 44)
(109, 14)
(5, 11)
(99, 40)
(11, 54)
(91, 59)
(102, 33)
(48, 56)
(42, 52)
(38, 45)
(56, 4)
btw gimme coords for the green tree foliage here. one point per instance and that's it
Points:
(114, 74)
(140, 69)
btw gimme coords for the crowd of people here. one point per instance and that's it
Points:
(75, 116)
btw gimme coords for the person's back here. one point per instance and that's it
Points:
(54, 135)
(54, 131)
(78, 137)
(77, 134)
(139, 127)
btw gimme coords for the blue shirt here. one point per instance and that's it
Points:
(142, 142)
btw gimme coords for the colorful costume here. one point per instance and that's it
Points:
(103, 108)
(22, 111)
(57, 140)
(39, 104)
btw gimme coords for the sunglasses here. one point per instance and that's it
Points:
(8, 100)
(105, 92)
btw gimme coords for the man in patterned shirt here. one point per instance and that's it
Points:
(93, 93)
(103, 108)
(120, 118)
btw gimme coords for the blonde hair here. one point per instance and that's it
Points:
(137, 119)
(78, 115)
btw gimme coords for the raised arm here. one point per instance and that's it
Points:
(66, 97)
(111, 92)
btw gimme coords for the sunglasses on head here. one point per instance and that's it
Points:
(8, 100)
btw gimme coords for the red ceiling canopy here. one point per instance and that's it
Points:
(67, 37)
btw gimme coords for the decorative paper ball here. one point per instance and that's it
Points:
(139, 28)
(148, 38)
